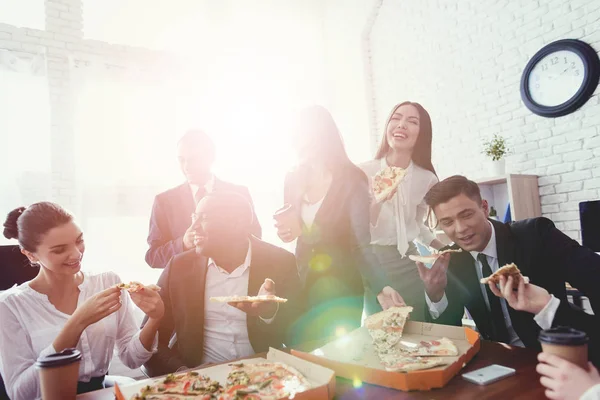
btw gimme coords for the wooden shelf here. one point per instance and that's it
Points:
(520, 191)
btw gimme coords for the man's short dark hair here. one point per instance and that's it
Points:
(451, 187)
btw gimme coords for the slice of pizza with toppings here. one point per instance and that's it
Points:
(386, 180)
(133, 287)
(430, 259)
(271, 380)
(396, 362)
(248, 299)
(386, 327)
(506, 271)
(181, 386)
(437, 347)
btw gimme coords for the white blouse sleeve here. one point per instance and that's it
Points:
(131, 350)
(17, 358)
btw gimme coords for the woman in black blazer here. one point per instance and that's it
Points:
(330, 199)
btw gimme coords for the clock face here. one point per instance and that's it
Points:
(556, 78)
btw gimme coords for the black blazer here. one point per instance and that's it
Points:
(341, 228)
(549, 258)
(172, 216)
(182, 286)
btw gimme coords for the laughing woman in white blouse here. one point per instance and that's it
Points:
(400, 218)
(65, 307)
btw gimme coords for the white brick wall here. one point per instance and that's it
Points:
(463, 60)
(62, 38)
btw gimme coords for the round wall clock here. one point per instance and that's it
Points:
(560, 78)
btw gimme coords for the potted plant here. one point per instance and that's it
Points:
(496, 149)
(493, 213)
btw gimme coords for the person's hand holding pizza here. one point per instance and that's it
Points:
(435, 278)
(149, 301)
(527, 297)
(97, 307)
(389, 297)
(263, 309)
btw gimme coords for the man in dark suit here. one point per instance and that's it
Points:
(514, 313)
(171, 230)
(226, 261)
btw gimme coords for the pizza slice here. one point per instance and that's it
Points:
(441, 347)
(430, 259)
(386, 180)
(248, 299)
(133, 287)
(181, 386)
(400, 363)
(506, 271)
(386, 327)
(271, 380)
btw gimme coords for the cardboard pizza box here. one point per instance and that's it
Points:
(353, 357)
(322, 379)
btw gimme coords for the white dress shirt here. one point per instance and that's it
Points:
(309, 211)
(592, 393)
(225, 327)
(544, 318)
(402, 219)
(30, 324)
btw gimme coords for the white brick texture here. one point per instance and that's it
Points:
(63, 37)
(463, 62)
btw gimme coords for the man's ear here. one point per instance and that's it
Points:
(486, 207)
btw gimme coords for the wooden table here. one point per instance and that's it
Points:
(524, 384)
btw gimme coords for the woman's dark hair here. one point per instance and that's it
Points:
(28, 225)
(318, 122)
(421, 155)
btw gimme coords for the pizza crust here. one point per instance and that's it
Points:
(506, 271)
(248, 299)
(432, 257)
(443, 347)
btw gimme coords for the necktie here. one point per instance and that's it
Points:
(199, 195)
(497, 316)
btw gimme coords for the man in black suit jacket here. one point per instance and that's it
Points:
(514, 313)
(171, 230)
(226, 261)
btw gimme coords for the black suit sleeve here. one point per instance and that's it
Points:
(287, 285)
(162, 246)
(453, 314)
(166, 359)
(581, 268)
(360, 226)
(256, 230)
(580, 265)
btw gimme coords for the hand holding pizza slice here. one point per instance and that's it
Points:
(386, 181)
(266, 308)
(518, 292)
(133, 287)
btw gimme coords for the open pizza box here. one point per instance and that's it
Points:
(353, 357)
(322, 379)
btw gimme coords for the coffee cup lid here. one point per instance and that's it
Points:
(563, 335)
(65, 357)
